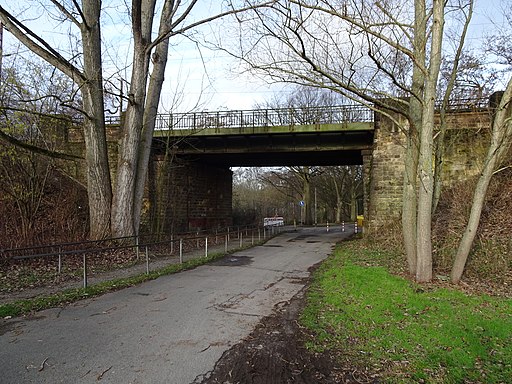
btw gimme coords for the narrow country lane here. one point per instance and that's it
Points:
(169, 330)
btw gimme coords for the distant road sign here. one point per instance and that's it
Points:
(302, 203)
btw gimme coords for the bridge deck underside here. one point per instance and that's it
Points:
(295, 148)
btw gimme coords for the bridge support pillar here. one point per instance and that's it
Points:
(188, 196)
(385, 186)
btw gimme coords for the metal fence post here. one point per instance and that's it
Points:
(85, 270)
(147, 261)
(137, 246)
(60, 259)
(181, 251)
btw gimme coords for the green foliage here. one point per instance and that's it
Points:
(407, 332)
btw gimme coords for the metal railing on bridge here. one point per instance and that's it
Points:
(261, 117)
(348, 113)
(265, 117)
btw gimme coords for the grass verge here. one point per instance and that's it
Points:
(403, 331)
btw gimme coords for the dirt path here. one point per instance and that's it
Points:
(275, 353)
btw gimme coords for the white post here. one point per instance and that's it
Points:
(181, 251)
(206, 247)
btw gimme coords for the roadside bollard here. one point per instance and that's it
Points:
(327, 226)
(206, 247)
(355, 227)
(342, 226)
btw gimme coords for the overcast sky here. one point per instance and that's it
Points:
(223, 88)
(211, 78)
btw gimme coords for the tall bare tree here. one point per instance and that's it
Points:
(89, 80)
(498, 153)
(116, 211)
(386, 55)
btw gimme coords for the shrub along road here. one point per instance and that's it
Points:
(169, 330)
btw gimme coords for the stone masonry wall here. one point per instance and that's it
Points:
(466, 143)
(387, 169)
(195, 196)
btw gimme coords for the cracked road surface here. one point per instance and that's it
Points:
(169, 330)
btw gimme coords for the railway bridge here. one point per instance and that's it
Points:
(204, 145)
(190, 181)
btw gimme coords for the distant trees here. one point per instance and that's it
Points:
(336, 193)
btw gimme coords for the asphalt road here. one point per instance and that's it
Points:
(170, 330)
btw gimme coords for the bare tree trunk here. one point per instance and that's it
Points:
(306, 179)
(500, 144)
(410, 200)
(425, 170)
(98, 172)
(153, 99)
(440, 146)
(353, 202)
(124, 197)
(339, 200)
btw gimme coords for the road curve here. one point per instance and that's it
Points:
(169, 330)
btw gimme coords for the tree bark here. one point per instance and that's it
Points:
(123, 208)
(156, 81)
(98, 172)
(500, 144)
(425, 170)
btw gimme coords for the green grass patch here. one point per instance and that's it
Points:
(404, 331)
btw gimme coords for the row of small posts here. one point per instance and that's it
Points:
(227, 238)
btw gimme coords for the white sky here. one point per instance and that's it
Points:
(227, 90)
(211, 75)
